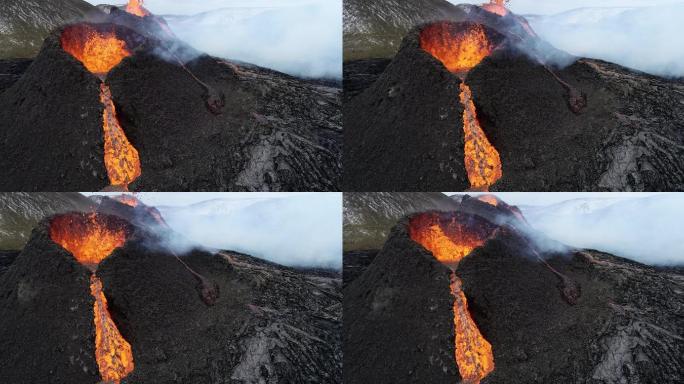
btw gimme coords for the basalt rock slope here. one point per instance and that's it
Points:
(268, 324)
(215, 126)
(623, 325)
(404, 128)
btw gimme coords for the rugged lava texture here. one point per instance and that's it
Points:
(274, 132)
(624, 327)
(404, 127)
(270, 324)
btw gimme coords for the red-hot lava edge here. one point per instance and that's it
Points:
(450, 241)
(91, 238)
(99, 50)
(460, 51)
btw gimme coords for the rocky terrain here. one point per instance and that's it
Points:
(368, 217)
(404, 128)
(20, 212)
(261, 323)
(374, 28)
(252, 129)
(25, 23)
(551, 314)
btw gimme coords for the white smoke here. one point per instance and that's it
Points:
(301, 231)
(302, 39)
(643, 38)
(647, 230)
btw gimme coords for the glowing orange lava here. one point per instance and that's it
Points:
(88, 237)
(489, 199)
(482, 161)
(135, 7)
(98, 51)
(459, 50)
(129, 200)
(496, 6)
(121, 158)
(450, 241)
(113, 353)
(473, 353)
(91, 238)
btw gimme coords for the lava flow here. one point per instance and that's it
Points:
(121, 158)
(101, 50)
(135, 7)
(91, 238)
(449, 241)
(459, 51)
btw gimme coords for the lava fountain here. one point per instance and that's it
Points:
(496, 6)
(91, 238)
(451, 237)
(135, 7)
(100, 50)
(460, 50)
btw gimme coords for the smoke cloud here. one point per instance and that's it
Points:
(301, 231)
(302, 39)
(639, 38)
(647, 230)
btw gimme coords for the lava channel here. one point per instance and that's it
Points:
(91, 238)
(460, 51)
(450, 242)
(100, 51)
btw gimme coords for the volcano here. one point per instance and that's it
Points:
(126, 105)
(479, 297)
(97, 296)
(481, 104)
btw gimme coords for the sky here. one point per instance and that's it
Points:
(188, 198)
(548, 198)
(549, 7)
(192, 7)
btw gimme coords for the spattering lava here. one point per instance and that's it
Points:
(460, 50)
(450, 241)
(135, 7)
(100, 50)
(91, 238)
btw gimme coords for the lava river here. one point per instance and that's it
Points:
(449, 241)
(91, 238)
(101, 50)
(460, 51)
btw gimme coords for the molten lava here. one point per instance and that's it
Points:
(91, 238)
(489, 199)
(121, 158)
(459, 50)
(473, 353)
(135, 7)
(450, 240)
(99, 51)
(482, 161)
(129, 200)
(496, 6)
(113, 353)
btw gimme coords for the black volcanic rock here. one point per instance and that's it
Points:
(627, 138)
(46, 316)
(405, 132)
(269, 323)
(223, 127)
(624, 325)
(399, 313)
